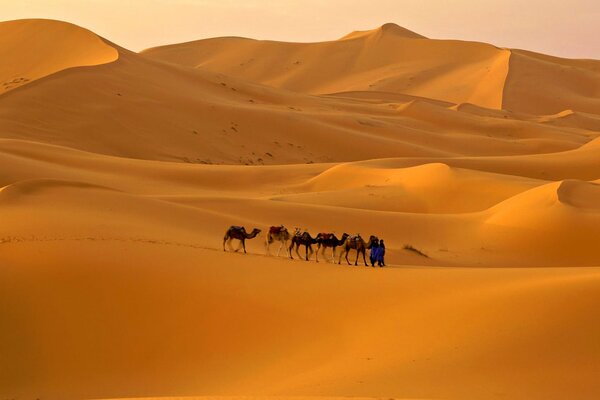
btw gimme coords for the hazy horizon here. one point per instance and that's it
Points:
(552, 27)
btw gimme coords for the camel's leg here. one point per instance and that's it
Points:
(280, 246)
(347, 251)
(297, 253)
(317, 255)
(290, 250)
(325, 253)
(357, 254)
(229, 244)
(364, 253)
(224, 240)
(239, 246)
(244, 245)
(268, 245)
(341, 254)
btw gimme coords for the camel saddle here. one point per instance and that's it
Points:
(276, 229)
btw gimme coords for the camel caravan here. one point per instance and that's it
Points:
(300, 238)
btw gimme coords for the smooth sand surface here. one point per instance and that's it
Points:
(122, 171)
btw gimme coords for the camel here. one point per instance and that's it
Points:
(279, 234)
(372, 239)
(326, 240)
(355, 242)
(239, 233)
(303, 239)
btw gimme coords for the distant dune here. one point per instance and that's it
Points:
(393, 59)
(389, 59)
(121, 171)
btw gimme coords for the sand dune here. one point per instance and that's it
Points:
(541, 84)
(427, 188)
(38, 48)
(389, 58)
(394, 59)
(491, 226)
(479, 166)
(144, 109)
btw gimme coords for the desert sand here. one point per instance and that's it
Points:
(121, 172)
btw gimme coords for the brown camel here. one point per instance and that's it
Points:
(355, 242)
(279, 234)
(326, 240)
(239, 233)
(302, 239)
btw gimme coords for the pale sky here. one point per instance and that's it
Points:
(559, 27)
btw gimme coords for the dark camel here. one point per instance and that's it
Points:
(326, 240)
(354, 243)
(279, 234)
(239, 233)
(303, 239)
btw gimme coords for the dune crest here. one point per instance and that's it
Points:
(37, 48)
(541, 84)
(580, 194)
(385, 29)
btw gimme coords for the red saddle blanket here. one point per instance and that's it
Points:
(276, 229)
(326, 236)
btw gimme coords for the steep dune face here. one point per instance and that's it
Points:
(540, 84)
(33, 49)
(385, 59)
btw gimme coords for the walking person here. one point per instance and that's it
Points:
(374, 255)
(381, 254)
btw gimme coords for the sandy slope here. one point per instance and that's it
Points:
(393, 59)
(566, 84)
(447, 70)
(33, 49)
(114, 320)
(139, 108)
(120, 173)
